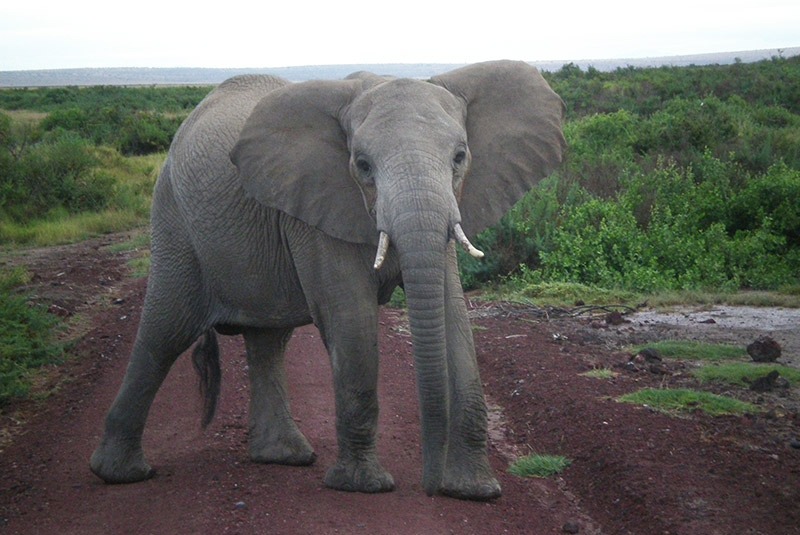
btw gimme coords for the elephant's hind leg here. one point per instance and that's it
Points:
(119, 457)
(175, 314)
(274, 436)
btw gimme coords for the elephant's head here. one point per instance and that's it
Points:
(412, 163)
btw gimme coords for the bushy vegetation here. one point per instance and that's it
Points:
(51, 176)
(679, 179)
(675, 179)
(132, 120)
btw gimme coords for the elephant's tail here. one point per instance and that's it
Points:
(206, 362)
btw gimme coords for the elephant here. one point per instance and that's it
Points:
(267, 214)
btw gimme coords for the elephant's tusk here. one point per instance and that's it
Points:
(463, 240)
(383, 246)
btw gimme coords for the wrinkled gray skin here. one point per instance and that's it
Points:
(266, 217)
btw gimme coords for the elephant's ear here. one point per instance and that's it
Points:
(292, 155)
(514, 122)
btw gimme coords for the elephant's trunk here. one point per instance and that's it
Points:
(421, 234)
(423, 280)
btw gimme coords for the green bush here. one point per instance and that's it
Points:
(132, 132)
(146, 133)
(667, 231)
(770, 201)
(57, 172)
(178, 99)
(688, 127)
(517, 239)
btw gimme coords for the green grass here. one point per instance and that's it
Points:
(14, 277)
(140, 264)
(129, 208)
(600, 373)
(561, 294)
(688, 350)
(537, 465)
(27, 338)
(69, 228)
(684, 400)
(742, 374)
(137, 242)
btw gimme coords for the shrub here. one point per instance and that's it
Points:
(147, 133)
(669, 230)
(770, 201)
(517, 239)
(57, 172)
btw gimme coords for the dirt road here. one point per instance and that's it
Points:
(634, 471)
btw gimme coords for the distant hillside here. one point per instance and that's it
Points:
(197, 76)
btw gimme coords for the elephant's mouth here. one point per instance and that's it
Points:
(457, 233)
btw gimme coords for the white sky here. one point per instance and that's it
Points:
(53, 34)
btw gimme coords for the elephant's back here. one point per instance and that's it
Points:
(199, 155)
(214, 125)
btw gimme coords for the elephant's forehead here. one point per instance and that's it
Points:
(404, 98)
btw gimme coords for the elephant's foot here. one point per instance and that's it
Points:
(470, 481)
(294, 451)
(359, 476)
(120, 462)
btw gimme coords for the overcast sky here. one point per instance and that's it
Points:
(148, 33)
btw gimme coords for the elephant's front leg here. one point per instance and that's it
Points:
(351, 339)
(467, 471)
(274, 436)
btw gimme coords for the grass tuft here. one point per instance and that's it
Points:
(140, 243)
(27, 338)
(537, 465)
(688, 350)
(742, 374)
(13, 277)
(684, 400)
(560, 294)
(600, 373)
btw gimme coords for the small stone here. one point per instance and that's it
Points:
(764, 349)
(61, 312)
(615, 318)
(765, 383)
(631, 366)
(240, 505)
(649, 355)
(795, 443)
(571, 527)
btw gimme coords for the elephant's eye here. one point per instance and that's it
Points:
(460, 157)
(363, 166)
